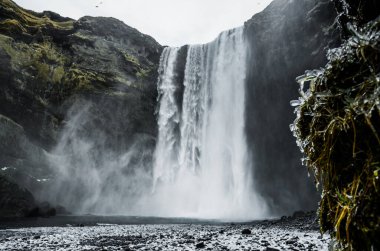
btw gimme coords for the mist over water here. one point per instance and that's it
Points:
(199, 166)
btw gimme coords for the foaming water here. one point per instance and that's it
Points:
(201, 166)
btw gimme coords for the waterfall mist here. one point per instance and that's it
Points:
(94, 172)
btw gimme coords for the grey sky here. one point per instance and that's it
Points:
(170, 22)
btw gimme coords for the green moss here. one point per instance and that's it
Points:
(6, 44)
(83, 37)
(11, 26)
(132, 59)
(48, 64)
(43, 71)
(20, 53)
(29, 19)
(122, 80)
(81, 79)
(58, 74)
(338, 128)
(143, 73)
(45, 68)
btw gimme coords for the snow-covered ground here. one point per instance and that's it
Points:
(268, 236)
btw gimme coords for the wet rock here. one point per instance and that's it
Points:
(265, 243)
(42, 210)
(292, 241)
(272, 249)
(200, 245)
(287, 38)
(14, 200)
(246, 231)
(299, 214)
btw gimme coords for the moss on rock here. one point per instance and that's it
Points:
(49, 61)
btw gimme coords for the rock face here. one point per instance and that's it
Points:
(50, 64)
(287, 38)
(14, 201)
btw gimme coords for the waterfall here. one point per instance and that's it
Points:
(201, 165)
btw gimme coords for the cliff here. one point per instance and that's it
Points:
(285, 39)
(50, 64)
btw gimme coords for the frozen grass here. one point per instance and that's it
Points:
(338, 130)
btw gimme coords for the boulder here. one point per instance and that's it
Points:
(14, 200)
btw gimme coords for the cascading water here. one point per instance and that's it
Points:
(201, 166)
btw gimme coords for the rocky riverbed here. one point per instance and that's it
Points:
(287, 233)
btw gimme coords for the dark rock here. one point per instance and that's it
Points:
(246, 231)
(34, 212)
(42, 210)
(14, 200)
(299, 214)
(291, 241)
(200, 245)
(272, 249)
(287, 38)
(56, 62)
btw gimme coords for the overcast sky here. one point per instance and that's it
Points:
(170, 22)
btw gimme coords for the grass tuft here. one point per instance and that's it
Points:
(338, 130)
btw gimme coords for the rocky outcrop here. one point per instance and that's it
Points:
(287, 38)
(14, 201)
(337, 129)
(50, 64)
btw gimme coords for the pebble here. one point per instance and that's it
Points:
(268, 237)
(200, 245)
(246, 231)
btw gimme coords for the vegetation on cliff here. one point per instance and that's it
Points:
(49, 64)
(338, 129)
(47, 59)
(49, 49)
